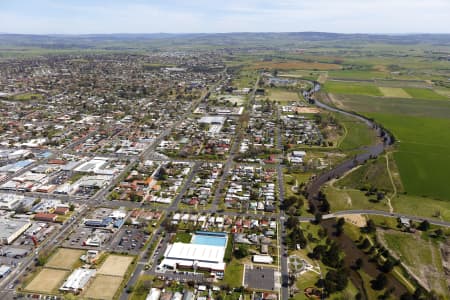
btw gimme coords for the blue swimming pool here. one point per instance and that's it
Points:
(201, 238)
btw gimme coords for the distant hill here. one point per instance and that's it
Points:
(221, 40)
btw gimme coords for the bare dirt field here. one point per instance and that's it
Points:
(47, 280)
(64, 258)
(394, 92)
(307, 110)
(115, 265)
(103, 287)
(357, 220)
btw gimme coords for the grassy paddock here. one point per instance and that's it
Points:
(426, 94)
(392, 92)
(338, 87)
(423, 158)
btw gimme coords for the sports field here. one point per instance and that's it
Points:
(64, 258)
(394, 92)
(47, 280)
(283, 95)
(115, 265)
(103, 287)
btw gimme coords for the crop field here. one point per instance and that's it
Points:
(392, 92)
(352, 88)
(293, 65)
(422, 257)
(103, 287)
(398, 106)
(64, 258)
(423, 158)
(426, 94)
(320, 76)
(283, 95)
(47, 280)
(357, 75)
(115, 265)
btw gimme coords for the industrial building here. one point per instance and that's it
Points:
(11, 229)
(205, 253)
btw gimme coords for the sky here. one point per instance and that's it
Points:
(211, 16)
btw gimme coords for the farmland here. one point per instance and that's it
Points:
(393, 92)
(294, 65)
(427, 94)
(335, 87)
(422, 155)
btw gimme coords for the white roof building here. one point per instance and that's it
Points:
(262, 259)
(194, 255)
(78, 279)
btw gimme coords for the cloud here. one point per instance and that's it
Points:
(140, 16)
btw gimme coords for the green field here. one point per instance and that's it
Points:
(424, 153)
(420, 256)
(346, 199)
(373, 173)
(27, 97)
(357, 133)
(234, 273)
(400, 106)
(336, 87)
(356, 74)
(426, 94)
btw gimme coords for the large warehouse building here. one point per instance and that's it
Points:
(205, 252)
(11, 229)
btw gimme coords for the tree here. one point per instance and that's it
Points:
(380, 282)
(292, 222)
(298, 238)
(424, 226)
(318, 251)
(359, 263)
(317, 218)
(241, 252)
(325, 207)
(370, 227)
(332, 257)
(336, 280)
(365, 244)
